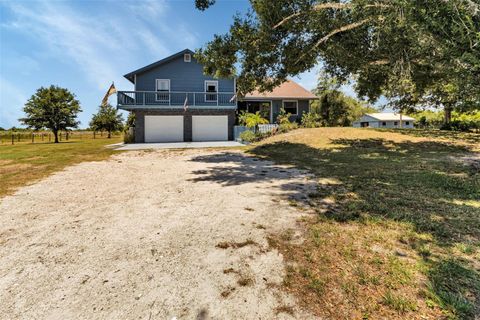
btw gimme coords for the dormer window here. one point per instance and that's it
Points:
(187, 57)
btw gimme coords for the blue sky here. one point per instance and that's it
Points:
(85, 45)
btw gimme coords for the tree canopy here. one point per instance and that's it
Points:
(334, 108)
(53, 108)
(107, 119)
(398, 48)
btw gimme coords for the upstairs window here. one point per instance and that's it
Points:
(162, 86)
(211, 91)
(291, 107)
(187, 57)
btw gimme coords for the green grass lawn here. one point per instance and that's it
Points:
(396, 232)
(24, 163)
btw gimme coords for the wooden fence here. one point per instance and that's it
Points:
(17, 137)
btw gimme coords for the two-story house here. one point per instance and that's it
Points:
(173, 100)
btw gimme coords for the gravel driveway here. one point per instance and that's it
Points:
(150, 235)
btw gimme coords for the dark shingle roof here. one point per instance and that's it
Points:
(131, 75)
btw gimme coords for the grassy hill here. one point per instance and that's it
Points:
(396, 229)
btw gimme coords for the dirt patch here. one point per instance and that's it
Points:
(472, 160)
(136, 237)
(12, 168)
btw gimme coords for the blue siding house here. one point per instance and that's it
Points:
(173, 100)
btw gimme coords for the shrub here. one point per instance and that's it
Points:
(248, 136)
(284, 123)
(283, 117)
(459, 125)
(128, 137)
(285, 127)
(311, 120)
(251, 120)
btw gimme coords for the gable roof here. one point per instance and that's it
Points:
(131, 75)
(389, 116)
(288, 89)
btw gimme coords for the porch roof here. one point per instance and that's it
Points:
(287, 90)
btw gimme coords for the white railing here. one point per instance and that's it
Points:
(264, 128)
(175, 99)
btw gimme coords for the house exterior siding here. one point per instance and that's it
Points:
(183, 76)
(187, 120)
(303, 107)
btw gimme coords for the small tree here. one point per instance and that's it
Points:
(53, 108)
(130, 120)
(107, 119)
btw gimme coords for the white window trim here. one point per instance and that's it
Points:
(296, 106)
(205, 89)
(156, 90)
(185, 57)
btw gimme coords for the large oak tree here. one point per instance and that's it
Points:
(398, 48)
(53, 108)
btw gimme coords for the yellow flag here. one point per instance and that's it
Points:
(110, 91)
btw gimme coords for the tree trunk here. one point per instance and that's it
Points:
(55, 134)
(448, 114)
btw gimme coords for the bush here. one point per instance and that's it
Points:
(285, 127)
(283, 117)
(459, 125)
(284, 123)
(129, 136)
(248, 136)
(251, 120)
(311, 120)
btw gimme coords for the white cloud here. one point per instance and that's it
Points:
(149, 8)
(12, 100)
(101, 45)
(70, 35)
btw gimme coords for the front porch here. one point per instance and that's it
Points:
(252, 106)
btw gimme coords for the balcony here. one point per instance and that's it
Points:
(130, 100)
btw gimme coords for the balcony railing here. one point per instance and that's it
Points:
(145, 99)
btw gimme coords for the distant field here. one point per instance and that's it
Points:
(25, 162)
(396, 234)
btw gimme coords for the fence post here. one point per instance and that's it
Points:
(60, 136)
(42, 135)
(66, 136)
(49, 137)
(33, 138)
(12, 139)
(93, 134)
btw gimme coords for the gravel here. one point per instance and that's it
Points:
(136, 236)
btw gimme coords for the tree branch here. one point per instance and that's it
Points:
(328, 5)
(334, 32)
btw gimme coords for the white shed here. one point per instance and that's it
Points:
(384, 120)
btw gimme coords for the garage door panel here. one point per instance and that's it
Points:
(164, 129)
(210, 128)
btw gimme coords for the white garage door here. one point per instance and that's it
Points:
(209, 128)
(163, 128)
